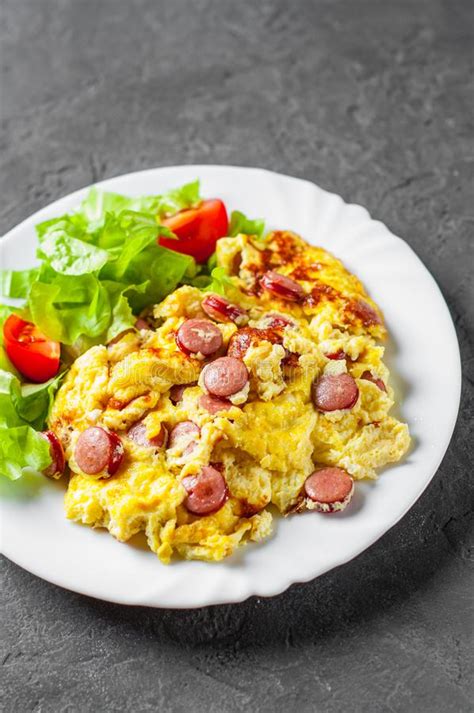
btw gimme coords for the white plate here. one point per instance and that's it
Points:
(423, 355)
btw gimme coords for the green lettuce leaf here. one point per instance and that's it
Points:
(5, 312)
(101, 264)
(88, 288)
(122, 317)
(97, 204)
(75, 224)
(10, 391)
(118, 229)
(17, 283)
(64, 307)
(25, 403)
(67, 254)
(35, 401)
(219, 282)
(69, 306)
(212, 263)
(5, 363)
(178, 199)
(239, 223)
(23, 411)
(22, 447)
(161, 269)
(139, 238)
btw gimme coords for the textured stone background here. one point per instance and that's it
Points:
(370, 99)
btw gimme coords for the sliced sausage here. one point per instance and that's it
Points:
(58, 461)
(116, 455)
(184, 436)
(97, 450)
(366, 313)
(207, 491)
(222, 310)
(137, 433)
(177, 391)
(225, 376)
(340, 354)
(334, 391)
(213, 405)
(368, 376)
(142, 324)
(330, 489)
(199, 336)
(247, 337)
(282, 286)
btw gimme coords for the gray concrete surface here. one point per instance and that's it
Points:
(370, 99)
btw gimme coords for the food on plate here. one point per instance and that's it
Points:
(34, 355)
(333, 392)
(328, 490)
(99, 268)
(58, 462)
(198, 229)
(198, 337)
(252, 385)
(99, 451)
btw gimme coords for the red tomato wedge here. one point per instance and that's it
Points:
(34, 355)
(197, 229)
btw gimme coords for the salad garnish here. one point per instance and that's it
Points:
(101, 267)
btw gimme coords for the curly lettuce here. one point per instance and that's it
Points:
(22, 447)
(239, 223)
(101, 265)
(23, 411)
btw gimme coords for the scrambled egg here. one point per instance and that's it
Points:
(266, 446)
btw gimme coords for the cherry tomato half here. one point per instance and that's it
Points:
(197, 229)
(35, 356)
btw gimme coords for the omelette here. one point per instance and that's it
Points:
(218, 412)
